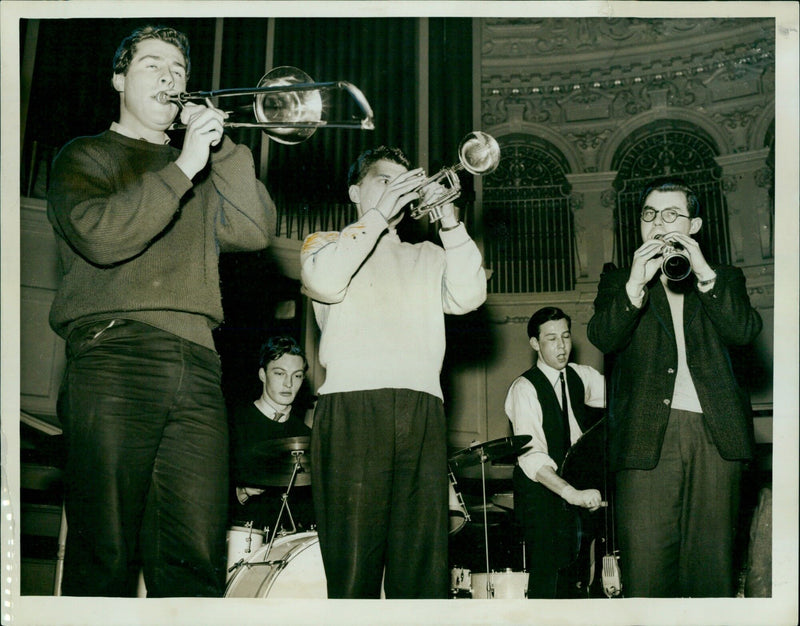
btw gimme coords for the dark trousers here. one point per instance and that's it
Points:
(379, 482)
(550, 529)
(147, 463)
(676, 522)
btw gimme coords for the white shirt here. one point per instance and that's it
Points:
(525, 412)
(272, 412)
(684, 396)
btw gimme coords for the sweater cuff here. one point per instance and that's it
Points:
(175, 179)
(454, 237)
(374, 219)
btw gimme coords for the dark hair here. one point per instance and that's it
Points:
(673, 184)
(275, 347)
(382, 153)
(543, 315)
(127, 49)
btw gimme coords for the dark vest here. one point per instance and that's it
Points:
(551, 409)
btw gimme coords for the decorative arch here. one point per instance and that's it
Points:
(667, 147)
(559, 144)
(529, 238)
(664, 147)
(527, 162)
(610, 148)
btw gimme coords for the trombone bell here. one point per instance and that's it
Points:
(288, 107)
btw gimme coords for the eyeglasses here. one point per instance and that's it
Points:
(668, 215)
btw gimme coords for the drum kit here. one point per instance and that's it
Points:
(282, 563)
(488, 584)
(285, 563)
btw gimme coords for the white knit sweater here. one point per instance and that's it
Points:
(380, 303)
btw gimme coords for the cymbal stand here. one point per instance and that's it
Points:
(285, 503)
(489, 586)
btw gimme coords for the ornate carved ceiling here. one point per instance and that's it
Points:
(585, 78)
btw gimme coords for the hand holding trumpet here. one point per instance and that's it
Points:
(204, 129)
(399, 192)
(431, 196)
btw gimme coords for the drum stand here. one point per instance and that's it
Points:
(489, 586)
(285, 503)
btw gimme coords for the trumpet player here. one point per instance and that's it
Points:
(379, 449)
(139, 226)
(680, 426)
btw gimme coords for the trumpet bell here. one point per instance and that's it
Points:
(287, 106)
(479, 153)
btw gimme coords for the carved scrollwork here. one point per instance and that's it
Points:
(729, 183)
(575, 201)
(554, 36)
(608, 198)
(764, 177)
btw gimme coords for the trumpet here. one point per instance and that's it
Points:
(478, 153)
(287, 105)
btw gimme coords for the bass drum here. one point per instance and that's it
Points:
(507, 585)
(293, 569)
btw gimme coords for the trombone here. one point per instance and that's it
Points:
(287, 105)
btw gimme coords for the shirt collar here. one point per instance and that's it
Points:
(552, 374)
(127, 132)
(270, 411)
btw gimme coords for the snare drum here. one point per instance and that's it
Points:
(507, 585)
(460, 583)
(292, 569)
(242, 542)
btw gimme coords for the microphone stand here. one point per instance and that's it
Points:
(612, 583)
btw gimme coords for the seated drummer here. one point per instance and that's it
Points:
(278, 413)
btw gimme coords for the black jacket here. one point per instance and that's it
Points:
(643, 377)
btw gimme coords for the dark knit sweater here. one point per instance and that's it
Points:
(138, 240)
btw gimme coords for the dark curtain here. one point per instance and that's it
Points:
(244, 51)
(450, 104)
(450, 90)
(377, 56)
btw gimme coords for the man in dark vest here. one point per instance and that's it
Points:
(548, 403)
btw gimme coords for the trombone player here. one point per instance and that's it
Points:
(139, 227)
(378, 448)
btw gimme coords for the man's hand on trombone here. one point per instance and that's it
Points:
(204, 129)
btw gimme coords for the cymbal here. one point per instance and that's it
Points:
(489, 451)
(275, 461)
(494, 514)
(275, 448)
(504, 500)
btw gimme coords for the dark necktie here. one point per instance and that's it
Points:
(564, 411)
